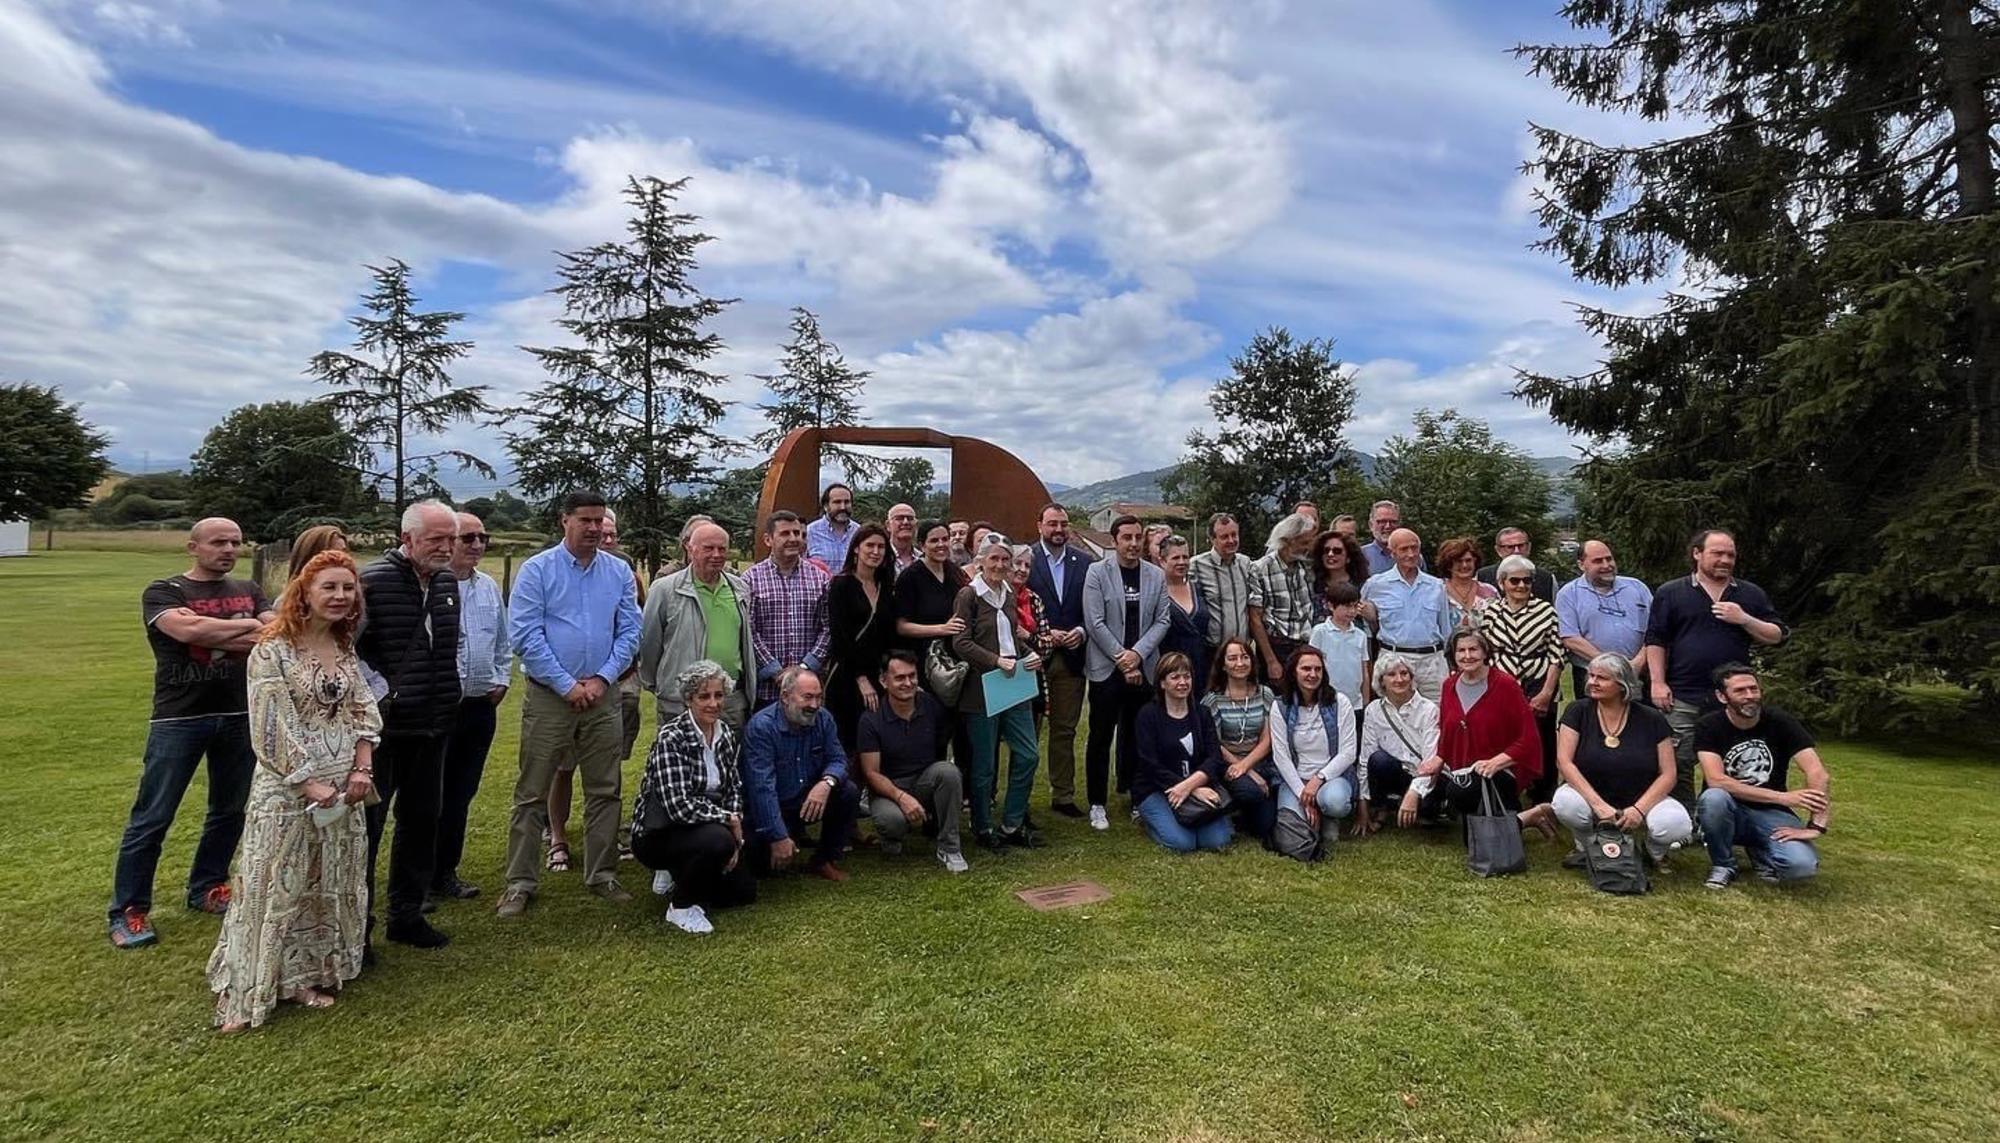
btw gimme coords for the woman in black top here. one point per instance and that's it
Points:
(925, 593)
(1616, 758)
(1179, 761)
(861, 628)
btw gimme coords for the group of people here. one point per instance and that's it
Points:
(872, 673)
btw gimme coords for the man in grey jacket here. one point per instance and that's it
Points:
(699, 612)
(1124, 619)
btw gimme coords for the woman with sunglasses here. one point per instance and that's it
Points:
(1524, 633)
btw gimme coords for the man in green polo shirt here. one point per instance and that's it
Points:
(699, 612)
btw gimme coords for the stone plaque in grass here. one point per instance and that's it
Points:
(1064, 896)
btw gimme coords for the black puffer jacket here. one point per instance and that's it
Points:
(421, 667)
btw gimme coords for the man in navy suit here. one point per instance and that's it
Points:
(1057, 577)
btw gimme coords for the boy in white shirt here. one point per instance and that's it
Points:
(1345, 644)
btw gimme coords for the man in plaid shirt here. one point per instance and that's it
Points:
(787, 606)
(1280, 603)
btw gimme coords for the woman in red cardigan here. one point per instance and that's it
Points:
(1486, 728)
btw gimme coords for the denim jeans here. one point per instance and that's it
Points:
(1017, 725)
(1335, 798)
(173, 749)
(836, 828)
(1727, 823)
(1166, 829)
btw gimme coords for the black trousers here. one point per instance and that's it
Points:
(464, 764)
(409, 774)
(1545, 783)
(696, 854)
(1463, 797)
(1114, 706)
(836, 829)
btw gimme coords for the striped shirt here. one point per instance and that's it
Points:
(1285, 593)
(1239, 722)
(1525, 642)
(1226, 587)
(787, 621)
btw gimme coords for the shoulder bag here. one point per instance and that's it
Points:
(1493, 846)
(1194, 811)
(945, 672)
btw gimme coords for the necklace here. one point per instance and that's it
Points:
(1610, 735)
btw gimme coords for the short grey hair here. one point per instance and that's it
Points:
(697, 674)
(1513, 565)
(1289, 528)
(1620, 669)
(989, 538)
(789, 677)
(1023, 550)
(413, 516)
(1388, 661)
(693, 522)
(1170, 542)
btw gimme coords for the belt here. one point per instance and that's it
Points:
(1433, 649)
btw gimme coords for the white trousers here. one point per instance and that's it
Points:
(1667, 824)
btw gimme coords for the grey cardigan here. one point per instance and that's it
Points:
(673, 634)
(1104, 617)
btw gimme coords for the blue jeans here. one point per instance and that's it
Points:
(1727, 823)
(1335, 798)
(1017, 725)
(1161, 824)
(173, 750)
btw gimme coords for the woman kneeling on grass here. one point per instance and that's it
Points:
(687, 821)
(1313, 746)
(1616, 758)
(298, 913)
(1486, 730)
(1179, 762)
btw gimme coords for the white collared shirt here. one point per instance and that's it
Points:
(1002, 600)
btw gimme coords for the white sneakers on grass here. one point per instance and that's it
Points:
(690, 920)
(663, 883)
(1099, 820)
(953, 862)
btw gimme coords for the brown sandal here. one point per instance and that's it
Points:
(559, 857)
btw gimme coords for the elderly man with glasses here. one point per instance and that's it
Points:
(485, 667)
(1515, 542)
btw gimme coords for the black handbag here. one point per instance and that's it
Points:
(1493, 846)
(945, 672)
(1611, 857)
(1193, 811)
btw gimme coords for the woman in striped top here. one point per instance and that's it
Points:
(1526, 645)
(1240, 705)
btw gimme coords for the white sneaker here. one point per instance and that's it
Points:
(690, 919)
(663, 883)
(1099, 819)
(953, 862)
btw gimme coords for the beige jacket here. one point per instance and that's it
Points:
(673, 635)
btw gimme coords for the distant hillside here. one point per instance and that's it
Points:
(1144, 487)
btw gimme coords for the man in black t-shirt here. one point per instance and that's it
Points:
(1747, 751)
(900, 746)
(200, 624)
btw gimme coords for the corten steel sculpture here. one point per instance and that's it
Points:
(987, 481)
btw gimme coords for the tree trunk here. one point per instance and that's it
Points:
(1963, 51)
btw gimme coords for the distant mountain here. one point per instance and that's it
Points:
(1144, 487)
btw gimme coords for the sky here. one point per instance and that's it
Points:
(1045, 223)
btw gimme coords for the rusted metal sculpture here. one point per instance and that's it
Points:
(987, 481)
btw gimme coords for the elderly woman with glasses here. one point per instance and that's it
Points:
(1187, 611)
(688, 818)
(1527, 644)
(1616, 758)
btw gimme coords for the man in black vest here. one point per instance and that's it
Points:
(408, 646)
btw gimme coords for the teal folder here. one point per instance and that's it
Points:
(1004, 692)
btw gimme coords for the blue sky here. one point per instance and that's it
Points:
(1044, 223)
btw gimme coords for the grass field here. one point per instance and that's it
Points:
(1385, 993)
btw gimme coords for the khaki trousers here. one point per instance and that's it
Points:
(551, 731)
(1065, 712)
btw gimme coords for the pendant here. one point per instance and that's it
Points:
(1611, 740)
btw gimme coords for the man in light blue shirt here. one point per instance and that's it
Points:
(1383, 520)
(1412, 616)
(1602, 611)
(575, 625)
(485, 669)
(828, 536)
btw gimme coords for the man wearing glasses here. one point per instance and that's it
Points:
(485, 666)
(1515, 542)
(1383, 520)
(1601, 611)
(902, 526)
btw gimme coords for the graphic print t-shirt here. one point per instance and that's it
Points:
(190, 681)
(1760, 756)
(1132, 630)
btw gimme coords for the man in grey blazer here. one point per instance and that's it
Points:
(1124, 619)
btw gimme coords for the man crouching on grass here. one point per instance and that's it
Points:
(1746, 750)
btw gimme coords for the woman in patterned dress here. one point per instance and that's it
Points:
(1527, 645)
(298, 911)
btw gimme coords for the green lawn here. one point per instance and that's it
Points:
(1385, 993)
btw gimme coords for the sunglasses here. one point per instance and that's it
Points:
(1528, 579)
(475, 538)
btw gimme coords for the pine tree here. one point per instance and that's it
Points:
(1831, 365)
(629, 411)
(50, 457)
(816, 388)
(400, 389)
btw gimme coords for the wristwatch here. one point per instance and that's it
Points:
(831, 781)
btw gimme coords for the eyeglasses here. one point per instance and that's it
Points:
(475, 538)
(1513, 579)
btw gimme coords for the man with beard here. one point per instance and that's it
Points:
(827, 536)
(201, 624)
(1746, 751)
(408, 647)
(1699, 623)
(1601, 611)
(1056, 576)
(795, 777)
(788, 619)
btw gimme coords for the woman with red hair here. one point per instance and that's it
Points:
(298, 912)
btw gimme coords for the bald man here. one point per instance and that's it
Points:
(1601, 610)
(200, 624)
(902, 526)
(1412, 615)
(699, 612)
